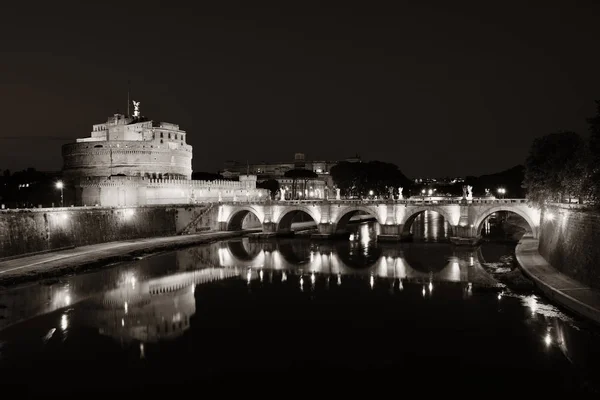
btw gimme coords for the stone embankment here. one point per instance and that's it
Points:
(559, 287)
(67, 261)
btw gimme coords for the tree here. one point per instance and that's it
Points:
(299, 174)
(359, 179)
(555, 168)
(271, 185)
(594, 155)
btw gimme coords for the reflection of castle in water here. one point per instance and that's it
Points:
(150, 310)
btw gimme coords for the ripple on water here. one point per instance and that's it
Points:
(539, 307)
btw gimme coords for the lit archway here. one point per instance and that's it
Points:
(237, 219)
(342, 221)
(447, 229)
(481, 221)
(296, 215)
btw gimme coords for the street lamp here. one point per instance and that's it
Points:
(501, 192)
(60, 185)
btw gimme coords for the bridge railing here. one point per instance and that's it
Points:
(413, 201)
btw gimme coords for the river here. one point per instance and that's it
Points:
(281, 315)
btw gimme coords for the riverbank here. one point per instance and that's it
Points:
(78, 259)
(566, 291)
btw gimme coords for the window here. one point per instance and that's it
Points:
(169, 136)
(161, 136)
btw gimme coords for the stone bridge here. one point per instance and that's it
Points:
(465, 217)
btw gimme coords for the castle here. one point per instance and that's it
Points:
(134, 161)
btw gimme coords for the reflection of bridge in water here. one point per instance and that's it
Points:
(388, 261)
(150, 301)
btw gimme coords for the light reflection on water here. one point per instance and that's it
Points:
(142, 304)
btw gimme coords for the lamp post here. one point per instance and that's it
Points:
(501, 192)
(60, 185)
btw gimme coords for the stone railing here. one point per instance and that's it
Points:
(412, 201)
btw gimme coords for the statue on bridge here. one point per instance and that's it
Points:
(464, 188)
(400, 189)
(470, 192)
(391, 190)
(282, 191)
(337, 194)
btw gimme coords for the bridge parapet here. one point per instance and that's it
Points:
(415, 201)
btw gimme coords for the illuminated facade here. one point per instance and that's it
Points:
(318, 188)
(132, 161)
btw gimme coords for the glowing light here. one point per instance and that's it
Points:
(249, 276)
(548, 340)
(430, 287)
(64, 322)
(60, 185)
(532, 303)
(339, 280)
(423, 291)
(301, 283)
(471, 261)
(128, 213)
(370, 193)
(283, 277)
(550, 217)
(67, 300)
(312, 278)
(351, 237)
(372, 281)
(122, 321)
(142, 353)
(400, 285)
(126, 308)
(430, 192)
(261, 274)
(499, 295)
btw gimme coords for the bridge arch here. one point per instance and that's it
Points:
(413, 213)
(478, 224)
(284, 222)
(344, 216)
(235, 220)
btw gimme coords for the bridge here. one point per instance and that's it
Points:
(465, 217)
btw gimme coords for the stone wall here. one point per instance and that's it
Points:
(43, 229)
(570, 242)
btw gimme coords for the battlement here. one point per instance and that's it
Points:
(216, 184)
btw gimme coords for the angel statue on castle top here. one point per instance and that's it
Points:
(136, 109)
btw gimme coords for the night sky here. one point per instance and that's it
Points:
(438, 90)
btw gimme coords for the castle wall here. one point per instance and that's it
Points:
(130, 158)
(569, 240)
(42, 229)
(135, 191)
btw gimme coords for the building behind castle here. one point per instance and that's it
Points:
(133, 161)
(320, 187)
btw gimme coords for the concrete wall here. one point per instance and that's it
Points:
(570, 242)
(29, 231)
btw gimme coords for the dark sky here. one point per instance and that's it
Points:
(439, 90)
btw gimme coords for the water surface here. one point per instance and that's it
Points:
(284, 315)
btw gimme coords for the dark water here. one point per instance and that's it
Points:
(293, 316)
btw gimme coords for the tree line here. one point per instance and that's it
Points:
(565, 167)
